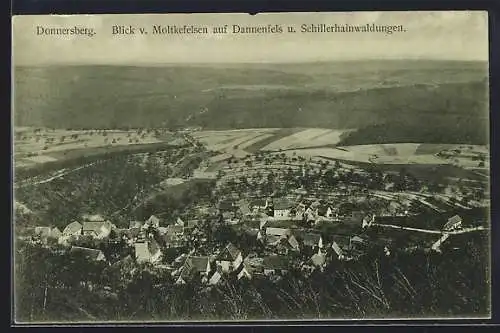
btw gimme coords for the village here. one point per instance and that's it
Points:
(271, 213)
(275, 240)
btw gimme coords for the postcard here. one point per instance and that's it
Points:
(181, 168)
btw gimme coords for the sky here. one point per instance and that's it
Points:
(444, 35)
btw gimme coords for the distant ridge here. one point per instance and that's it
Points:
(329, 95)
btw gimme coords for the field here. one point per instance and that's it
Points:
(318, 142)
(233, 139)
(312, 137)
(423, 160)
(268, 139)
(37, 146)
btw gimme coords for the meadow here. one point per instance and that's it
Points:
(35, 146)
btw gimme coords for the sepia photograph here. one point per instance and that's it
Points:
(176, 168)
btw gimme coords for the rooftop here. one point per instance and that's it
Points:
(47, 232)
(93, 218)
(87, 252)
(318, 259)
(96, 226)
(276, 262)
(308, 238)
(226, 205)
(257, 203)
(153, 220)
(73, 227)
(135, 224)
(174, 229)
(278, 231)
(199, 263)
(282, 203)
(229, 253)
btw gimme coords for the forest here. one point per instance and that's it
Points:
(119, 188)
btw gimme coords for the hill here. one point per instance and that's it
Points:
(327, 95)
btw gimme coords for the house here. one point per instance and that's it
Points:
(345, 248)
(309, 239)
(273, 240)
(367, 221)
(180, 260)
(147, 251)
(243, 273)
(226, 206)
(172, 240)
(44, 233)
(230, 258)
(330, 212)
(92, 254)
(338, 250)
(294, 244)
(215, 278)
(319, 260)
(437, 245)
(194, 266)
(228, 216)
(98, 230)
(93, 218)
(204, 174)
(258, 204)
(324, 210)
(310, 214)
(279, 232)
(55, 233)
(282, 207)
(192, 224)
(133, 233)
(179, 222)
(73, 229)
(245, 210)
(252, 232)
(275, 264)
(135, 225)
(453, 223)
(184, 274)
(283, 245)
(346, 208)
(153, 222)
(300, 210)
(121, 233)
(253, 264)
(174, 230)
(357, 240)
(200, 264)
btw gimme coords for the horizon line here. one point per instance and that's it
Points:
(159, 64)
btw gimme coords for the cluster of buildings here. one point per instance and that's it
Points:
(274, 224)
(279, 208)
